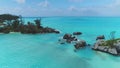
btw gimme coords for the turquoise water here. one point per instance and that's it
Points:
(43, 50)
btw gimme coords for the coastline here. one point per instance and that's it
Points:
(34, 47)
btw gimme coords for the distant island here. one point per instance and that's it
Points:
(12, 23)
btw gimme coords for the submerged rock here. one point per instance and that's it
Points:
(77, 33)
(62, 41)
(100, 37)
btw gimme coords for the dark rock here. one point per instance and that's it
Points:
(89, 45)
(62, 43)
(57, 32)
(67, 36)
(80, 44)
(77, 33)
(118, 48)
(75, 39)
(100, 37)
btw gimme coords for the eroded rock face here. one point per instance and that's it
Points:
(111, 50)
(77, 33)
(80, 44)
(118, 46)
(100, 37)
(62, 41)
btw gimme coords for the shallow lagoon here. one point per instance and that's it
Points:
(43, 50)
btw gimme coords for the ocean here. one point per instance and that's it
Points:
(44, 51)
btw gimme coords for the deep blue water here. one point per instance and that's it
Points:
(43, 50)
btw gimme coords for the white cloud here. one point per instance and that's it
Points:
(115, 4)
(20, 1)
(110, 9)
(73, 8)
(46, 8)
(44, 4)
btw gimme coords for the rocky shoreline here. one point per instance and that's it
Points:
(105, 49)
(106, 46)
(98, 46)
(12, 23)
(70, 38)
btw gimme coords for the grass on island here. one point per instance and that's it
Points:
(111, 41)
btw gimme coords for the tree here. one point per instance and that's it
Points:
(38, 23)
(16, 26)
(112, 39)
(8, 18)
(112, 35)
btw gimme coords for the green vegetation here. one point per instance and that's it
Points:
(7, 18)
(109, 42)
(12, 23)
(112, 40)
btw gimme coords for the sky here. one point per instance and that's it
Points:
(61, 7)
